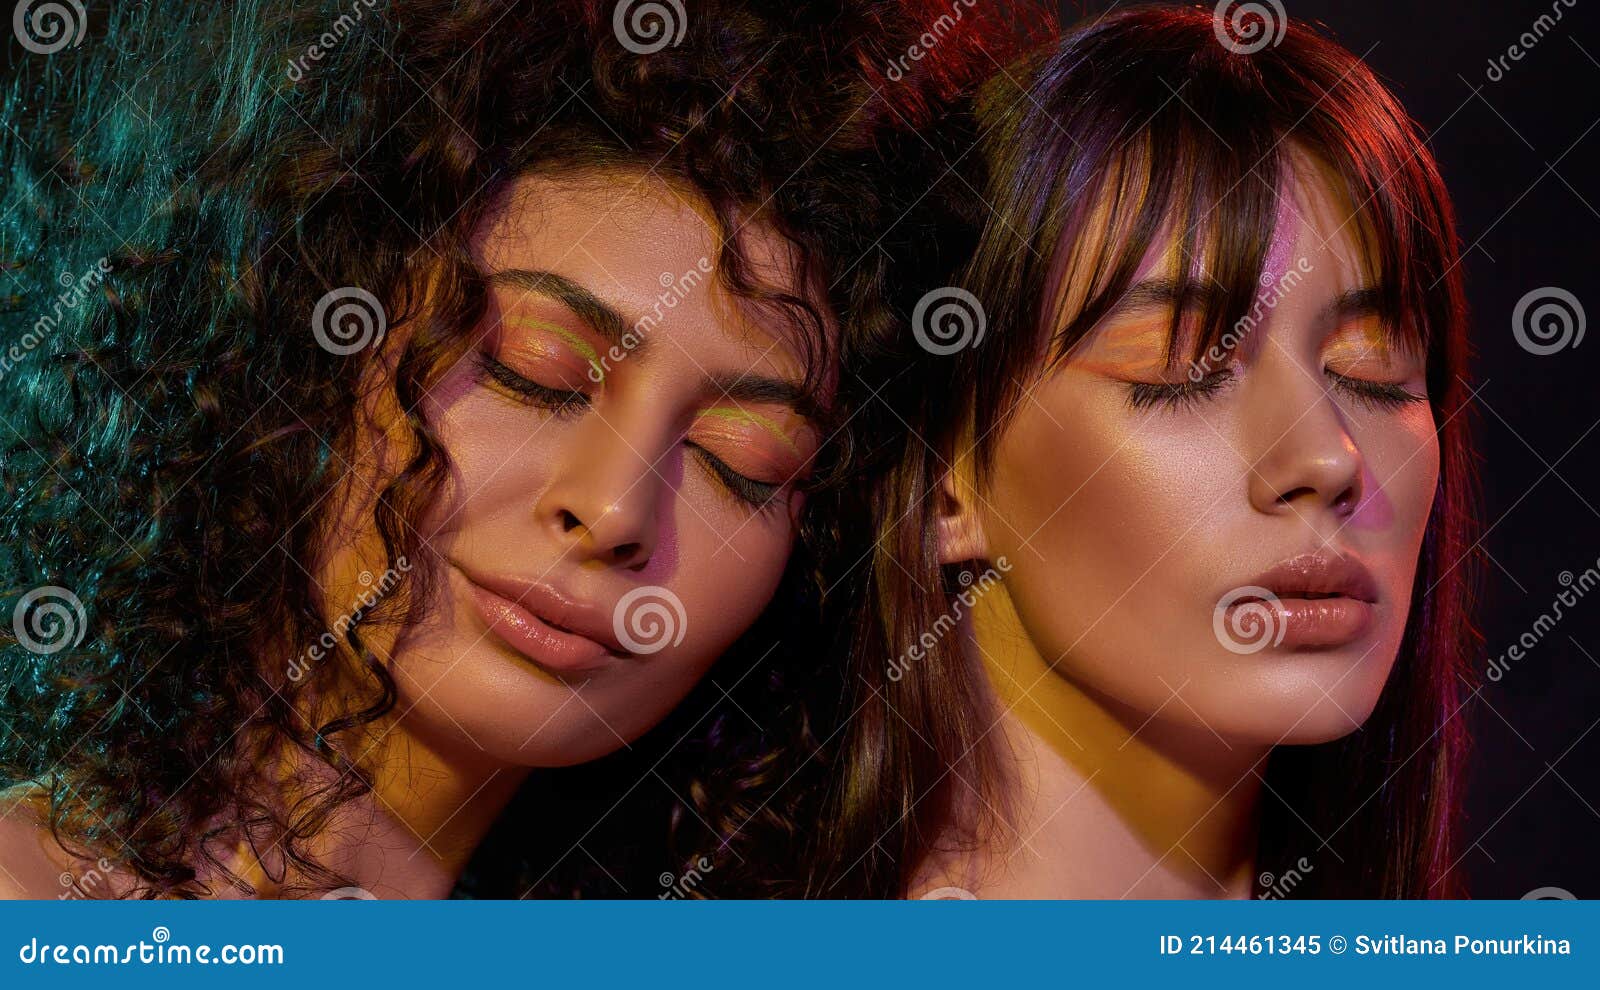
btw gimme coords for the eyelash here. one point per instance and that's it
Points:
(1374, 395)
(565, 403)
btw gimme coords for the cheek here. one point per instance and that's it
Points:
(1404, 453)
(1096, 508)
(730, 562)
(496, 453)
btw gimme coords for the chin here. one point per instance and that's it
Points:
(1294, 714)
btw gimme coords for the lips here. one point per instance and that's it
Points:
(556, 632)
(1313, 600)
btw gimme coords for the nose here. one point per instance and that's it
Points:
(603, 504)
(1306, 457)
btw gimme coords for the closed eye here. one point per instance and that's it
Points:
(562, 402)
(756, 494)
(1146, 395)
(1376, 395)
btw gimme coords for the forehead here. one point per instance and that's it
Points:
(648, 248)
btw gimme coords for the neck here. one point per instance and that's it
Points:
(1105, 800)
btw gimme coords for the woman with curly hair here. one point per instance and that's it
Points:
(443, 391)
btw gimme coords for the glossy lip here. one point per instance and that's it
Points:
(1320, 574)
(554, 631)
(1324, 600)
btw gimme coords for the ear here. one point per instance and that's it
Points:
(961, 534)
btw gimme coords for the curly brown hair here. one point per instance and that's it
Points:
(176, 433)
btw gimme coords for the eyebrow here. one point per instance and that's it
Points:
(1162, 292)
(750, 387)
(607, 321)
(1364, 301)
(601, 317)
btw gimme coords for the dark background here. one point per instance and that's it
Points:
(1522, 157)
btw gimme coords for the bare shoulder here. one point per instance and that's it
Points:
(32, 863)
